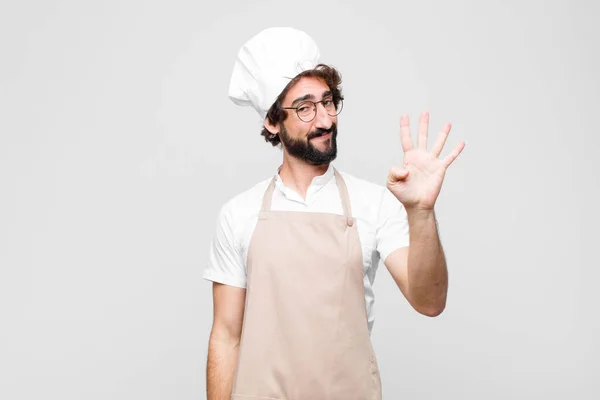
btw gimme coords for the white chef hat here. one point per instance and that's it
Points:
(266, 63)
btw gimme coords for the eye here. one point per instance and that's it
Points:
(327, 102)
(304, 108)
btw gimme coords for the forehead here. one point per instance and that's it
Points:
(306, 86)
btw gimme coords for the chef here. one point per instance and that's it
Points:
(294, 257)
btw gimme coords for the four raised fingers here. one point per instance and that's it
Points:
(407, 143)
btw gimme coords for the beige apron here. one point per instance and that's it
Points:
(305, 334)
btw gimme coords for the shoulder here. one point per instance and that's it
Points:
(362, 189)
(373, 198)
(244, 204)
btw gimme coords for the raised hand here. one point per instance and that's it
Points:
(418, 182)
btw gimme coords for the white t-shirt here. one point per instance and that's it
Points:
(381, 221)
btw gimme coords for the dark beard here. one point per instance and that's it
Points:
(304, 150)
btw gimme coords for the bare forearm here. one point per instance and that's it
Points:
(220, 367)
(427, 271)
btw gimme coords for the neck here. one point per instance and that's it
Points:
(298, 175)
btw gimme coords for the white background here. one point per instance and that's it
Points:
(118, 145)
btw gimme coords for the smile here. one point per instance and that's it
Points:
(322, 137)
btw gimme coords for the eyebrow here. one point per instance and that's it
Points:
(310, 97)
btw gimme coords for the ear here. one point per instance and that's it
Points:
(273, 129)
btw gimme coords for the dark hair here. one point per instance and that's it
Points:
(276, 114)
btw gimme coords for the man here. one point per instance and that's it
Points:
(294, 257)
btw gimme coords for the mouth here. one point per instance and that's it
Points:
(323, 136)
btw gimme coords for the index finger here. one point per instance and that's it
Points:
(405, 138)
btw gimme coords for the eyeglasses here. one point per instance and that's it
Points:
(307, 110)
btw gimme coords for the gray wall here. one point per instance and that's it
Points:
(119, 145)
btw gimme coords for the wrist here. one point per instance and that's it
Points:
(417, 210)
(420, 214)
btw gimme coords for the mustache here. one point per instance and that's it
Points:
(321, 132)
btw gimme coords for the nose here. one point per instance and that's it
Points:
(322, 119)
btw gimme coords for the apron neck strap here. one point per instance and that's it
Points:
(266, 203)
(342, 189)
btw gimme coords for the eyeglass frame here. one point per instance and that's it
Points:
(341, 102)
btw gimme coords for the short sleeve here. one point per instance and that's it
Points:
(392, 226)
(225, 263)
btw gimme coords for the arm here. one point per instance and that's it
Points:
(420, 270)
(228, 311)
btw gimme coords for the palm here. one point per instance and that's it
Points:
(418, 183)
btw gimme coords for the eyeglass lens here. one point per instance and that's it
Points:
(308, 109)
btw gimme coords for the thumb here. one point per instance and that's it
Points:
(398, 174)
